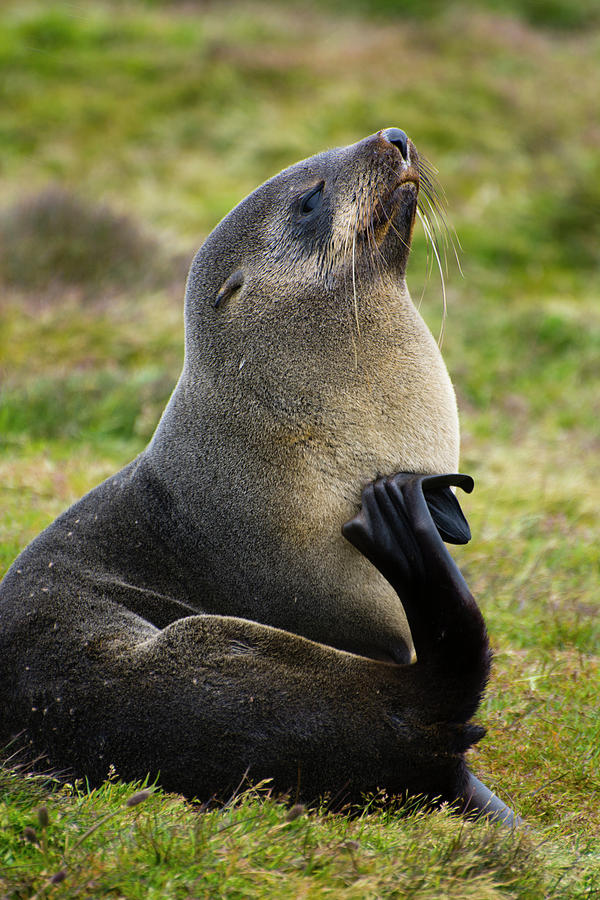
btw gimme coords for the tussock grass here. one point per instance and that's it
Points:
(150, 120)
(54, 242)
(100, 376)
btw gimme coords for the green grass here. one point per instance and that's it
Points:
(127, 131)
(142, 843)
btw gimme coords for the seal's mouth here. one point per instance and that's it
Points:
(396, 208)
(402, 194)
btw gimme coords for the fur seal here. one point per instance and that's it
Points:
(201, 614)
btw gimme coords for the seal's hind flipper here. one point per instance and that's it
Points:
(446, 512)
(478, 800)
(396, 530)
(385, 528)
(382, 531)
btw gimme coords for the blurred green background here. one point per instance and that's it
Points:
(128, 129)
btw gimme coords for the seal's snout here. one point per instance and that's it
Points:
(397, 137)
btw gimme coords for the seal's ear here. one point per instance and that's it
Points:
(229, 287)
(447, 515)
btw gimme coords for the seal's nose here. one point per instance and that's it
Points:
(397, 137)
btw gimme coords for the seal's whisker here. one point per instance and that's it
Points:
(427, 229)
(354, 284)
(435, 216)
(432, 209)
(433, 234)
(447, 232)
(432, 218)
(435, 195)
(426, 167)
(348, 303)
(429, 257)
(434, 188)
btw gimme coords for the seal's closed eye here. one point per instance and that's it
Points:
(312, 200)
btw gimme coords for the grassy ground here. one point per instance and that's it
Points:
(118, 840)
(127, 131)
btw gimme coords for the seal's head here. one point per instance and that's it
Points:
(297, 312)
(332, 220)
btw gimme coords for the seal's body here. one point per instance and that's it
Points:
(200, 614)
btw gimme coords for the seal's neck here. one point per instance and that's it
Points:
(260, 412)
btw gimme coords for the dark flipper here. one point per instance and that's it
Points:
(396, 530)
(446, 512)
(400, 528)
(480, 801)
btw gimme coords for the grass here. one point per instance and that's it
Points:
(258, 847)
(146, 122)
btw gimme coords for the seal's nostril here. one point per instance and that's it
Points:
(397, 137)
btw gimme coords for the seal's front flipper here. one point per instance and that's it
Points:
(382, 531)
